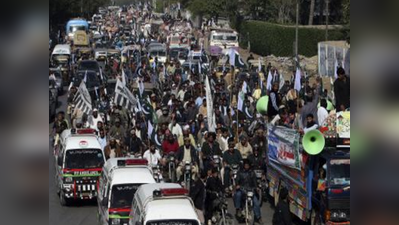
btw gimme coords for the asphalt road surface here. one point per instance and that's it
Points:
(83, 213)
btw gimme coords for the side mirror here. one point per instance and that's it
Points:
(104, 202)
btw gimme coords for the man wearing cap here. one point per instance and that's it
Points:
(186, 153)
(186, 134)
(134, 145)
(94, 119)
(152, 155)
(113, 149)
(117, 131)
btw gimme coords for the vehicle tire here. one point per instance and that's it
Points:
(63, 200)
(229, 220)
(315, 217)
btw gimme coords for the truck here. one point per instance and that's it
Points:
(319, 188)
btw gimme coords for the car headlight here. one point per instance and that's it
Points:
(68, 179)
(115, 221)
(334, 215)
(342, 215)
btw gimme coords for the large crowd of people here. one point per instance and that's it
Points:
(171, 115)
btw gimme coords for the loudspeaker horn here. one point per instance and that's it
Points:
(313, 142)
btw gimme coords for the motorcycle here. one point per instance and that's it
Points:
(220, 215)
(233, 177)
(172, 167)
(262, 185)
(217, 162)
(156, 171)
(247, 213)
(187, 175)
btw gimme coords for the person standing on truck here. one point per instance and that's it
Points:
(282, 214)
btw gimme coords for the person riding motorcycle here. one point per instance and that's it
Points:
(209, 149)
(230, 157)
(246, 181)
(214, 187)
(186, 153)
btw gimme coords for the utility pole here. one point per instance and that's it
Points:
(296, 31)
(327, 17)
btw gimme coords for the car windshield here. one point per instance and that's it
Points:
(172, 222)
(231, 38)
(217, 37)
(76, 28)
(89, 65)
(84, 159)
(122, 195)
(340, 172)
(92, 79)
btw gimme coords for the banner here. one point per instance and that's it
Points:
(283, 146)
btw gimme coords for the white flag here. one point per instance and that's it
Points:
(82, 99)
(209, 106)
(297, 85)
(150, 129)
(336, 69)
(123, 77)
(269, 81)
(232, 56)
(282, 81)
(241, 96)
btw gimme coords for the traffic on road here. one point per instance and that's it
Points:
(156, 121)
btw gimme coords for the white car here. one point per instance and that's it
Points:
(121, 177)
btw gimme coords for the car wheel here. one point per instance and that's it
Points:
(63, 200)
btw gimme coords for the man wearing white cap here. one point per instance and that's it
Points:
(94, 119)
(186, 133)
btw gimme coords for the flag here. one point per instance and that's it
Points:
(235, 58)
(269, 81)
(199, 68)
(82, 99)
(124, 97)
(241, 96)
(209, 106)
(282, 81)
(150, 129)
(140, 84)
(123, 77)
(297, 85)
(336, 69)
(153, 135)
(85, 77)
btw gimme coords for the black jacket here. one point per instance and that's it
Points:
(213, 186)
(197, 194)
(247, 180)
(194, 155)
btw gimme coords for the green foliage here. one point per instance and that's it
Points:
(63, 10)
(267, 38)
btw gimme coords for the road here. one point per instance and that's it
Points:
(86, 213)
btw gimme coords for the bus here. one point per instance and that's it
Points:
(220, 39)
(74, 25)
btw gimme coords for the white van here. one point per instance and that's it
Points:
(163, 204)
(119, 182)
